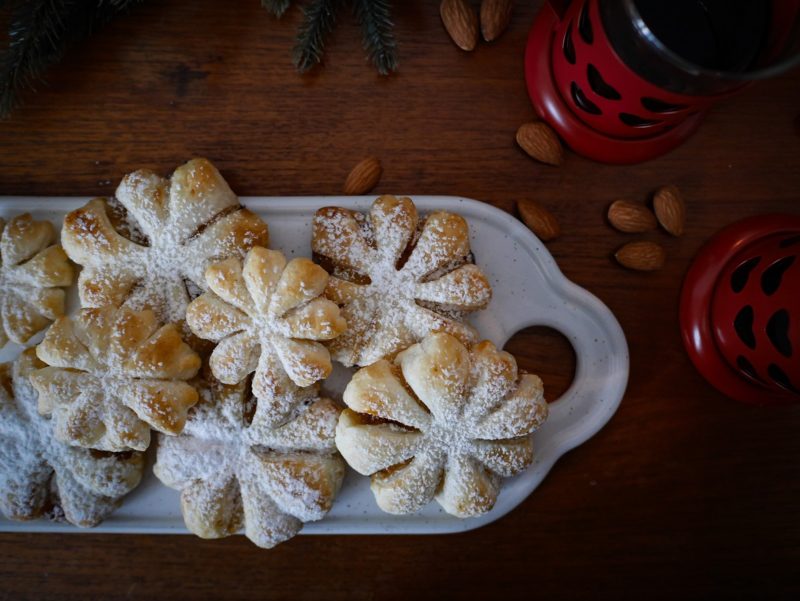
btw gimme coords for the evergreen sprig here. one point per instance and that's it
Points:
(319, 17)
(376, 28)
(34, 33)
(39, 32)
(276, 7)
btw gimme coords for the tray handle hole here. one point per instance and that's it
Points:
(546, 352)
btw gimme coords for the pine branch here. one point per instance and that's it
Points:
(319, 19)
(376, 29)
(276, 7)
(36, 36)
(39, 33)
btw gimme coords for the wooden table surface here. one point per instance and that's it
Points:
(684, 493)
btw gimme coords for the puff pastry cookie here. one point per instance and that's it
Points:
(41, 475)
(267, 316)
(113, 374)
(396, 279)
(33, 272)
(440, 422)
(187, 221)
(235, 470)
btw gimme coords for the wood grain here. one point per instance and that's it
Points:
(684, 494)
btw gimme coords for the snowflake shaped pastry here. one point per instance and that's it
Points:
(40, 474)
(397, 280)
(234, 469)
(267, 317)
(113, 374)
(188, 221)
(33, 273)
(440, 421)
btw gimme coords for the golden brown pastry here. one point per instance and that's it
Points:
(267, 316)
(235, 470)
(442, 422)
(41, 475)
(396, 279)
(187, 222)
(113, 374)
(33, 273)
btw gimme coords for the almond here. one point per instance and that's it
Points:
(461, 22)
(641, 256)
(495, 16)
(364, 177)
(631, 217)
(670, 209)
(541, 221)
(540, 142)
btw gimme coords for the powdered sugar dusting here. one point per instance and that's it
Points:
(480, 425)
(167, 236)
(114, 374)
(38, 472)
(268, 317)
(32, 275)
(286, 475)
(406, 282)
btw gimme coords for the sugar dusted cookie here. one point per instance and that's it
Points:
(33, 275)
(397, 279)
(236, 471)
(174, 228)
(440, 421)
(39, 474)
(112, 375)
(267, 316)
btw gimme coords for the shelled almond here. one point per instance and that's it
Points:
(540, 142)
(541, 221)
(631, 217)
(495, 17)
(641, 256)
(670, 209)
(461, 22)
(364, 177)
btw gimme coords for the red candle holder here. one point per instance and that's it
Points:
(740, 310)
(615, 92)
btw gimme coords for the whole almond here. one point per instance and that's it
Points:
(364, 177)
(641, 256)
(461, 22)
(541, 221)
(670, 209)
(495, 16)
(631, 217)
(540, 142)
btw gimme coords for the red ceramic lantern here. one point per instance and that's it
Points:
(740, 310)
(623, 81)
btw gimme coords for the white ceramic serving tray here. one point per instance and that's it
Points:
(529, 290)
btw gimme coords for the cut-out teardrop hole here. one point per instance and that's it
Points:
(636, 120)
(585, 25)
(654, 105)
(773, 275)
(747, 368)
(599, 85)
(786, 243)
(569, 46)
(781, 379)
(548, 354)
(582, 101)
(778, 332)
(743, 325)
(741, 274)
